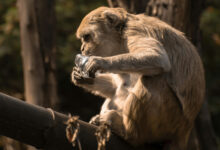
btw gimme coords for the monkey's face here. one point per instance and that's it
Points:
(99, 33)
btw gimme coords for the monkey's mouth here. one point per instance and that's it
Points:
(87, 53)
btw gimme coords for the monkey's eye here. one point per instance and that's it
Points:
(86, 37)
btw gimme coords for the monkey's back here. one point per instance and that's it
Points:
(175, 97)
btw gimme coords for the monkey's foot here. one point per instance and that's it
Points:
(95, 120)
(114, 120)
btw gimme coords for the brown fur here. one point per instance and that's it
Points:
(153, 81)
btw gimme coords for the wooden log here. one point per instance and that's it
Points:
(45, 128)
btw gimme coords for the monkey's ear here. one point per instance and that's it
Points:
(113, 18)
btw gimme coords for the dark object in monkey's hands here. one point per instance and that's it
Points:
(80, 62)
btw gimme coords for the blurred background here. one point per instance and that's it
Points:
(51, 32)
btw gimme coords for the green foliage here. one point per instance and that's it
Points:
(10, 62)
(210, 26)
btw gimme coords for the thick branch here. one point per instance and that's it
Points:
(44, 128)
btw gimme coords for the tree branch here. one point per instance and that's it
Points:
(45, 128)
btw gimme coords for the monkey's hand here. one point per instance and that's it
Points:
(78, 78)
(94, 64)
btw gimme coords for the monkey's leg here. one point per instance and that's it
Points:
(105, 108)
(114, 119)
(132, 118)
(135, 117)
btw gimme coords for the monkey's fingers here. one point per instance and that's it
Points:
(76, 69)
(78, 78)
(77, 75)
(92, 66)
(92, 69)
(92, 72)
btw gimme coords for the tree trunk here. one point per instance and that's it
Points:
(132, 6)
(37, 31)
(183, 15)
(49, 133)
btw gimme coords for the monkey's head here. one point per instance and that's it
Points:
(100, 32)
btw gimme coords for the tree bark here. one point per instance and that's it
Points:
(132, 6)
(183, 15)
(45, 128)
(37, 31)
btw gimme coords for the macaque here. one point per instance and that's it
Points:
(149, 73)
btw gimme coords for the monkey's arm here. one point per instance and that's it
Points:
(147, 56)
(101, 85)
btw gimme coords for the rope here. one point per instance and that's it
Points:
(72, 131)
(103, 134)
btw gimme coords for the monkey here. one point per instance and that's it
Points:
(150, 74)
